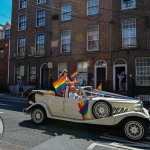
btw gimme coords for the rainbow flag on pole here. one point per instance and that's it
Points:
(100, 86)
(60, 84)
(74, 75)
(83, 106)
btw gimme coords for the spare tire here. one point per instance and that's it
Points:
(101, 109)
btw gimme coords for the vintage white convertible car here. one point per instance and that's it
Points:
(104, 109)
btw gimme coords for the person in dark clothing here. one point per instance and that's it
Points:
(123, 81)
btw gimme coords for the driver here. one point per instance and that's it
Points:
(73, 93)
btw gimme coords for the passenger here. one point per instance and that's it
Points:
(63, 74)
(73, 93)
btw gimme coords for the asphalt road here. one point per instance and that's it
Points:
(21, 134)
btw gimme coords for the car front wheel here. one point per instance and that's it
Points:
(135, 129)
(38, 115)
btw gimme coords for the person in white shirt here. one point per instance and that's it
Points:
(73, 93)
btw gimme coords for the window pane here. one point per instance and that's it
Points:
(82, 67)
(61, 67)
(40, 42)
(128, 32)
(65, 41)
(1, 54)
(23, 3)
(93, 7)
(22, 22)
(41, 1)
(143, 71)
(41, 18)
(93, 38)
(66, 12)
(128, 4)
(32, 74)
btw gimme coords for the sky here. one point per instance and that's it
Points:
(5, 9)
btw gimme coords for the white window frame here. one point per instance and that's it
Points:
(7, 36)
(83, 75)
(2, 54)
(19, 22)
(144, 69)
(69, 31)
(40, 18)
(122, 29)
(59, 71)
(92, 6)
(129, 7)
(93, 40)
(65, 13)
(23, 52)
(36, 42)
(29, 82)
(20, 4)
(39, 1)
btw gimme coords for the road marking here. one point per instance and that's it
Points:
(91, 147)
(124, 147)
(146, 145)
(1, 112)
(113, 146)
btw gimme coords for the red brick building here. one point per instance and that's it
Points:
(77, 38)
(131, 45)
(4, 56)
(30, 43)
(81, 40)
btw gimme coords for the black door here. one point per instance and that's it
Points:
(45, 75)
(101, 77)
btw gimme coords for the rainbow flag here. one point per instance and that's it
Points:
(74, 75)
(83, 106)
(100, 86)
(60, 84)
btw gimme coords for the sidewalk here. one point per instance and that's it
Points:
(13, 97)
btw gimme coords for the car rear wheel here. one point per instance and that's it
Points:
(102, 109)
(38, 115)
(135, 129)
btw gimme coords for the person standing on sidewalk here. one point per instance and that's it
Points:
(20, 87)
(123, 81)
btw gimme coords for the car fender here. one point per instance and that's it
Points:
(116, 119)
(42, 104)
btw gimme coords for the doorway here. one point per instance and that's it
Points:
(119, 66)
(100, 74)
(118, 71)
(45, 77)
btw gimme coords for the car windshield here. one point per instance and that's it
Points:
(89, 92)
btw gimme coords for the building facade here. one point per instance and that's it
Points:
(30, 43)
(131, 44)
(4, 55)
(50, 36)
(81, 40)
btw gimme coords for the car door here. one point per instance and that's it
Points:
(71, 109)
(56, 105)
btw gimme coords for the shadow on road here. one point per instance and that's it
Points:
(75, 130)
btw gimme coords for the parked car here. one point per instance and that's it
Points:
(103, 109)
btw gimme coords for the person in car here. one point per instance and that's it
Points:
(73, 93)
(63, 74)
